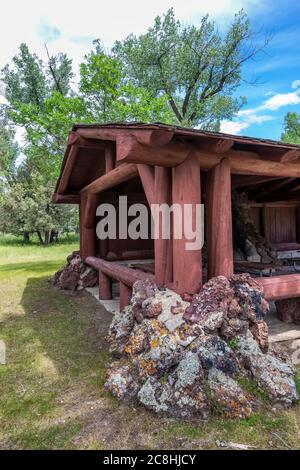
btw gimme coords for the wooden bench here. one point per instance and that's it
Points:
(256, 266)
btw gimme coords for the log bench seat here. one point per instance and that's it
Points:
(280, 287)
(252, 267)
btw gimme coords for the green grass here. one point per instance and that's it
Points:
(51, 389)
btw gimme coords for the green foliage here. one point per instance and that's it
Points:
(196, 68)
(110, 96)
(291, 132)
(8, 154)
(233, 343)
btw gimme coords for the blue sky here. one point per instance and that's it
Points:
(69, 26)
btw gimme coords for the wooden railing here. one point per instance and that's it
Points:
(109, 270)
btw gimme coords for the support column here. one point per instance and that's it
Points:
(187, 264)
(87, 238)
(219, 220)
(105, 286)
(125, 295)
(163, 250)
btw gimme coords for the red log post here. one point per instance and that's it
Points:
(105, 286)
(187, 264)
(163, 250)
(87, 235)
(219, 220)
(125, 295)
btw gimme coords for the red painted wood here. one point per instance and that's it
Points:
(65, 199)
(117, 176)
(280, 287)
(87, 235)
(187, 265)
(163, 249)
(68, 168)
(219, 221)
(146, 173)
(130, 150)
(125, 295)
(109, 159)
(105, 286)
(117, 271)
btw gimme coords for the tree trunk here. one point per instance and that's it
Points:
(54, 236)
(47, 237)
(40, 237)
(26, 237)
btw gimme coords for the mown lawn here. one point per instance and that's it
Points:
(51, 389)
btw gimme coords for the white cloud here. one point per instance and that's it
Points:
(233, 127)
(281, 99)
(249, 116)
(295, 84)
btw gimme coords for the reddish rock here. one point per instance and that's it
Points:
(213, 297)
(288, 310)
(89, 278)
(75, 275)
(260, 332)
(68, 279)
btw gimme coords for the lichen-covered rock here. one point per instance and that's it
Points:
(273, 375)
(119, 330)
(142, 290)
(122, 380)
(233, 327)
(165, 350)
(215, 353)
(183, 395)
(238, 297)
(75, 275)
(227, 396)
(288, 310)
(184, 359)
(249, 295)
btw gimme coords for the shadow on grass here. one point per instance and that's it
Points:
(69, 325)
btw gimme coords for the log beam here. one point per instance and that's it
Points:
(130, 150)
(87, 235)
(219, 221)
(118, 271)
(66, 173)
(118, 175)
(243, 181)
(280, 155)
(216, 146)
(65, 198)
(248, 163)
(187, 264)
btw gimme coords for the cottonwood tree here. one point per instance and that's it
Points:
(110, 96)
(197, 69)
(291, 132)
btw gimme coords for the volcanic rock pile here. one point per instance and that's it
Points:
(201, 357)
(76, 275)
